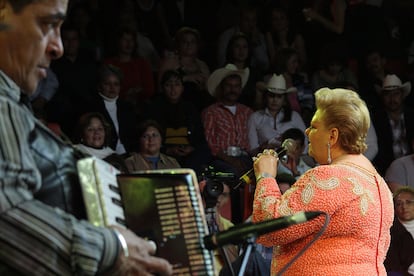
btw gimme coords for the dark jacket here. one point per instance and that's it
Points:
(385, 138)
(127, 121)
(401, 252)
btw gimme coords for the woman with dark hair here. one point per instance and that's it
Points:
(302, 99)
(137, 83)
(238, 52)
(186, 59)
(92, 136)
(266, 125)
(149, 156)
(333, 68)
(117, 111)
(281, 35)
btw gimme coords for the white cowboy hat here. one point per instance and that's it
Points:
(220, 74)
(392, 82)
(276, 85)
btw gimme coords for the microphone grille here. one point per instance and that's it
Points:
(289, 145)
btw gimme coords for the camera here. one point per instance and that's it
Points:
(214, 185)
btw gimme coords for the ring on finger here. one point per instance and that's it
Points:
(152, 245)
(272, 152)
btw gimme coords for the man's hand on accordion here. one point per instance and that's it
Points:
(136, 256)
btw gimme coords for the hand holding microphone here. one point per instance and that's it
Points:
(288, 146)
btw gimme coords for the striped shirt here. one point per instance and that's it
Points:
(223, 128)
(36, 238)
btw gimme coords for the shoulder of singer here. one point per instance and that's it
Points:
(29, 171)
(348, 196)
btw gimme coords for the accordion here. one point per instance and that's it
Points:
(162, 205)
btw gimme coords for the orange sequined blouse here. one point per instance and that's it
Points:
(357, 238)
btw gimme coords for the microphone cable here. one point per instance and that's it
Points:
(306, 247)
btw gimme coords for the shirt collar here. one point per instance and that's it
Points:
(267, 112)
(9, 88)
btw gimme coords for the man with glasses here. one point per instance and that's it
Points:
(400, 256)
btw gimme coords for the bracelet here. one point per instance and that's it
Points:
(123, 242)
(263, 175)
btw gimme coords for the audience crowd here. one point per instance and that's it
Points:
(169, 84)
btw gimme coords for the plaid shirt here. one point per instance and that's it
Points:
(223, 129)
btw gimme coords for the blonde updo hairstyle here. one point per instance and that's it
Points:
(345, 110)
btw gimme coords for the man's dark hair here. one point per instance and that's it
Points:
(144, 125)
(171, 74)
(295, 134)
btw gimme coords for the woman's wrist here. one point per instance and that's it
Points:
(263, 175)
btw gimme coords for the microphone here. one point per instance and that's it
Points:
(248, 177)
(239, 233)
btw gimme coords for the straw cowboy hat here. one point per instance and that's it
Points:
(392, 82)
(220, 74)
(276, 85)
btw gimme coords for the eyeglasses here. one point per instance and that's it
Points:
(98, 129)
(150, 136)
(400, 203)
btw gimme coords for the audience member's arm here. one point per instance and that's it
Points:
(337, 24)
(395, 175)
(253, 136)
(372, 143)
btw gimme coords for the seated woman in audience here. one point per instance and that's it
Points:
(266, 126)
(333, 68)
(92, 136)
(238, 52)
(118, 112)
(181, 122)
(302, 100)
(186, 60)
(149, 156)
(280, 34)
(137, 82)
(400, 256)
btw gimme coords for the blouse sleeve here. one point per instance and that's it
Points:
(252, 132)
